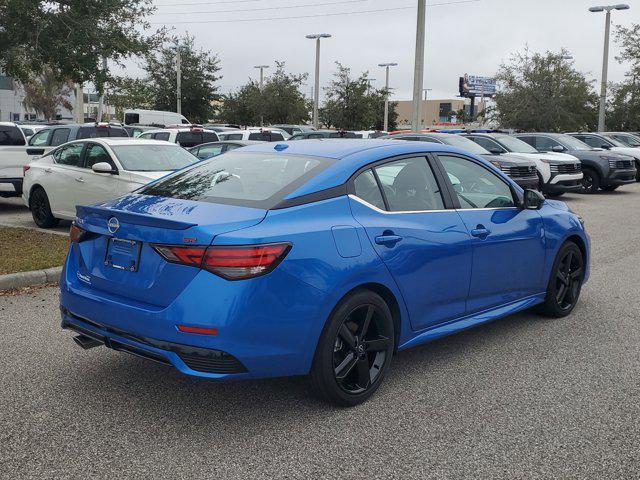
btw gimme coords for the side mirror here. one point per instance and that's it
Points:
(496, 151)
(558, 148)
(533, 200)
(606, 146)
(104, 167)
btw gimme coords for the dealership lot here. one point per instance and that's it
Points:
(521, 397)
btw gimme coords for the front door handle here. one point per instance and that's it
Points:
(481, 232)
(80, 179)
(48, 170)
(388, 239)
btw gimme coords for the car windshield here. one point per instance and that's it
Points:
(627, 140)
(465, 144)
(614, 140)
(259, 180)
(515, 145)
(572, 143)
(153, 158)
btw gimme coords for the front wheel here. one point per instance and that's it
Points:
(41, 209)
(590, 181)
(354, 351)
(565, 283)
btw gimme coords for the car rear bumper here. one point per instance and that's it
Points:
(10, 187)
(621, 177)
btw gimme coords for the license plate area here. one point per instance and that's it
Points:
(123, 254)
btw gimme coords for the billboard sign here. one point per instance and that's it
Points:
(476, 86)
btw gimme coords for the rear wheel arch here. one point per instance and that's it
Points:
(33, 189)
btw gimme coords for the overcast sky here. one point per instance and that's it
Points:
(462, 37)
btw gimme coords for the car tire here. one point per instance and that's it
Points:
(637, 170)
(565, 284)
(610, 188)
(590, 181)
(354, 351)
(41, 209)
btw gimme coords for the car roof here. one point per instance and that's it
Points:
(231, 142)
(113, 141)
(349, 155)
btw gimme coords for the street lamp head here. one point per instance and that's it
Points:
(261, 66)
(622, 6)
(388, 64)
(608, 8)
(318, 35)
(596, 9)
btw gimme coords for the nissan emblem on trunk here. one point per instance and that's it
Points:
(113, 225)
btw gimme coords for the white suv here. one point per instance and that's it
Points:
(185, 136)
(260, 134)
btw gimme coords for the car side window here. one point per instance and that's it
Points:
(545, 144)
(146, 136)
(161, 136)
(60, 136)
(315, 135)
(233, 136)
(592, 141)
(367, 189)
(475, 185)
(487, 143)
(10, 135)
(530, 140)
(96, 154)
(209, 151)
(40, 139)
(69, 155)
(231, 146)
(410, 185)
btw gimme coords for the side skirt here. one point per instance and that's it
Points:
(479, 318)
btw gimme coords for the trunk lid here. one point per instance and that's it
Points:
(142, 221)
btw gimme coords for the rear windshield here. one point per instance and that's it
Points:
(259, 180)
(10, 135)
(153, 158)
(98, 132)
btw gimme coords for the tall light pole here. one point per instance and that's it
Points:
(426, 110)
(605, 58)
(101, 100)
(178, 81)
(386, 95)
(418, 73)
(316, 90)
(261, 67)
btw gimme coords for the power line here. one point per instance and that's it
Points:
(205, 3)
(360, 12)
(267, 8)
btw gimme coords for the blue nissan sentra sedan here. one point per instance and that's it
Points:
(316, 257)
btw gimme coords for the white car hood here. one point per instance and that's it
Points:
(561, 157)
(631, 151)
(145, 177)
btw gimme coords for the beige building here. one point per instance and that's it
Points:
(434, 112)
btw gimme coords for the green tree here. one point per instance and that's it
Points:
(280, 101)
(199, 76)
(71, 37)
(352, 104)
(623, 106)
(46, 94)
(125, 92)
(544, 92)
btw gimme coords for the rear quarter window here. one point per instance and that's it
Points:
(10, 135)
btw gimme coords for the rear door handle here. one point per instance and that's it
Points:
(35, 151)
(48, 170)
(388, 240)
(480, 232)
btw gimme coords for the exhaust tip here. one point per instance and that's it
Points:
(86, 342)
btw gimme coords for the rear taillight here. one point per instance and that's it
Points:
(24, 169)
(76, 233)
(235, 262)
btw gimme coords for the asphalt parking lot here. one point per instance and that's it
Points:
(13, 213)
(523, 397)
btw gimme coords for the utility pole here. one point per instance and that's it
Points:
(426, 110)
(418, 74)
(79, 108)
(178, 80)
(261, 67)
(316, 90)
(386, 96)
(605, 59)
(101, 100)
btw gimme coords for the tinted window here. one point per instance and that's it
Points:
(232, 146)
(233, 136)
(96, 154)
(160, 136)
(27, 131)
(487, 144)
(315, 135)
(189, 139)
(69, 155)
(147, 135)
(514, 144)
(209, 137)
(545, 144)
(476, 186)
(209, 151)
(298, 136)
(530, 140)
(464, 144)
(628, 140)
(60, 136)
(592, 141)
(409, 185)
(367, 189)
(40, 138)
(153, 158)
(248, 179)
(117, 132)
(130, 118)
(10, 135)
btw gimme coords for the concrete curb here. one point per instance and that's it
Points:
(29, 279)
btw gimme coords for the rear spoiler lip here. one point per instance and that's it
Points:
(90, 214)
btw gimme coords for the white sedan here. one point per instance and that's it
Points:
(94, 170)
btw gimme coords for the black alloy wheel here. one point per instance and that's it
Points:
(41, 209)
(590, 181)
(566, 280)
(354, 351)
